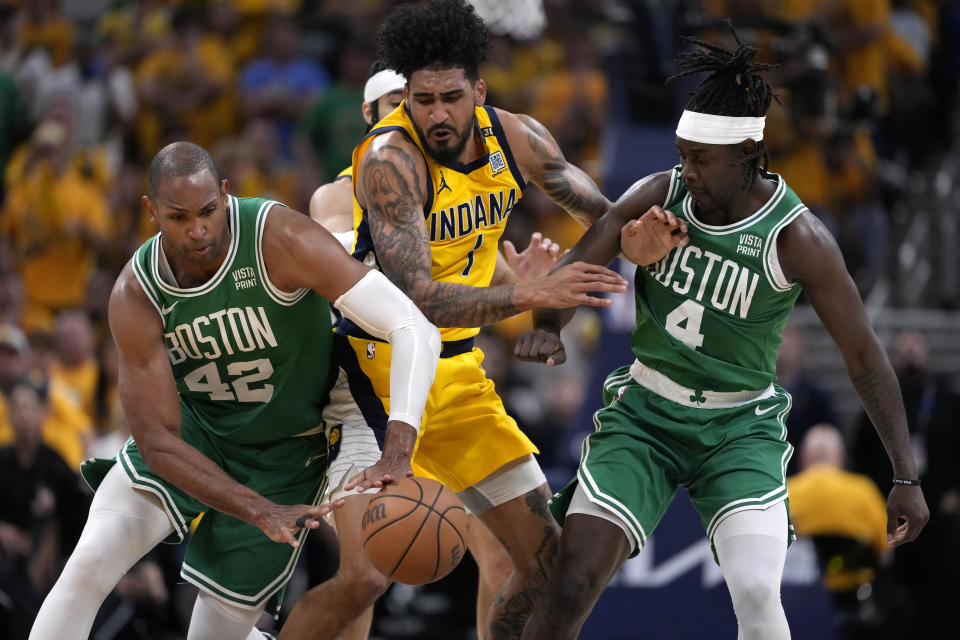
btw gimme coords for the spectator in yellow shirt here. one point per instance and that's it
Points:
(846, 515)
(75, 368)
(54, 223)
(65, 429)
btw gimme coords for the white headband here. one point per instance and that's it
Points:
(711, 129)
(381, 83)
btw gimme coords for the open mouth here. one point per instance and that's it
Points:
(441, 135)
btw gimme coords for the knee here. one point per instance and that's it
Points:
(363, 583)
(754, 594)
(92, 567)
(572, 592)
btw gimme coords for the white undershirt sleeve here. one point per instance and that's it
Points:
(378, 307)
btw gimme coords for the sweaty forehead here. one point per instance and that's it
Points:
(438, 81)
(197, 189)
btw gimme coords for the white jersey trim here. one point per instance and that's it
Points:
(719, 230)
(278, 296)
(771, 260)
(144, 280)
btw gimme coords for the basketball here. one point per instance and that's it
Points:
(414, 530)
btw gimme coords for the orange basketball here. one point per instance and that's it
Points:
(414, 530)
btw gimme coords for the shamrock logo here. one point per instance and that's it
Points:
(698, 397)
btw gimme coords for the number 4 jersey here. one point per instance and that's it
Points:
(251, 362)
(710, 315)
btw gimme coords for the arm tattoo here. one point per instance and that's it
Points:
(565, 184)
(881, 399)
(394, 200)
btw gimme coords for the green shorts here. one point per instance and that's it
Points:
(730, 458)
(226, 557)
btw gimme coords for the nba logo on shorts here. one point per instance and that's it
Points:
(496, 162)
(371, 350)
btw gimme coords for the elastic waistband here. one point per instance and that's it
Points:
(447, 350)
(699, 399)
(456, 347)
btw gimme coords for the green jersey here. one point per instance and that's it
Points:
(710, 315)
(251, 362)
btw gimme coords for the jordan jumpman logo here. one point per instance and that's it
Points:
(443, 184)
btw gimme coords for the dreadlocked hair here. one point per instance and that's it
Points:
(733, 88)
(436, 35)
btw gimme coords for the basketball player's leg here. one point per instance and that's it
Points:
(123, 525)
(341, 607)
(512, 503)
(593, 545)
(493, 565)
(751, 547)
(214, 619)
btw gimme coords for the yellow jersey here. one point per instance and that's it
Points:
(466, 210)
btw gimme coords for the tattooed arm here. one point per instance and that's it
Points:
(541, 161)
(809, 255)
(392, 187)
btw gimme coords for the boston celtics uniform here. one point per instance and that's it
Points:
(465, 434)
(698, 406)
(251, 365)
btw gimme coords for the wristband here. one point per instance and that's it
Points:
(911, 483)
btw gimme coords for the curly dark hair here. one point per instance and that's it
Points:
(733, 88)
(438, 34)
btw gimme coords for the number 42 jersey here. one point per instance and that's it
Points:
(710, 315)
(251, 362)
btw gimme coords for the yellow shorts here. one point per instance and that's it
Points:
(466, 433)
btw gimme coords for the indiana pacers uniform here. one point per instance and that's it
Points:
(251, 364)
(698, 406)
(466, 434)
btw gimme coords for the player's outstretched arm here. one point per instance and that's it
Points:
(301, 254)
(148, 393)
(542, 162)
(810, 255)
(391, 185)
(635, 224)
(536, 261)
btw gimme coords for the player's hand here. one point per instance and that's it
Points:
(536, 260)
(905, 503)
(572, 284)
(379, 475)
(655, 234)
(394, 462)
(281, 523)
(540, 345)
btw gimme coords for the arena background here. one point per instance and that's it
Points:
(866, 132)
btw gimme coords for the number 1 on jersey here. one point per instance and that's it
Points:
(466, 270)
(690, 315)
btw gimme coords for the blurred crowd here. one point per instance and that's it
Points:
(90, 90)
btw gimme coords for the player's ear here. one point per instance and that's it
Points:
(224, 189)
(480, 92)
(151, 210)
(747, 148)
(367, 109)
